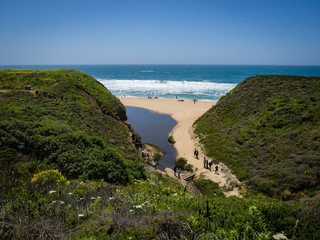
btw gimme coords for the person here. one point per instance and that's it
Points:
(196, 153)
(155, 165)
(142, 153)
(204, 162)
(217, 168)
(175, 170)
(179, 172)
(210, 165)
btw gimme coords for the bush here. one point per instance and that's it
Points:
(181, 163)
(156, 157)
(188, 167)
(208, 188)
(171, 140)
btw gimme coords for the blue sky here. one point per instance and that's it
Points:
(160, 32)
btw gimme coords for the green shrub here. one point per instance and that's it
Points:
(208, 187)
(181, 163)
(171, 140)
(188, 167)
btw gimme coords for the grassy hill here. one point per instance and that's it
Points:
(267, 130)
(69, 122)
(69, 171)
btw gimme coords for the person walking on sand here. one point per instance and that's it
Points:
(210, 165)
(196, 153)
(217, 169)
(175, 170)
(179, 172)
(204, 162)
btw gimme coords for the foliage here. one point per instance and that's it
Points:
(182, 163)
(208, 187)
(267, 131)
(64, 128)
(48, 177)
(66, 83)
(171, 140)
(157, 208)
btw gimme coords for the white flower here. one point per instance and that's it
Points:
(93, 198)
(98, 197)
(111, 198)
(131, 211)
(54, 201)
(70, 193)
(52, 191)
(61, 202)
(80, 215)
(176, 194)
(138, 206)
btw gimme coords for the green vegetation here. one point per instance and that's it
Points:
(267, 130)
(70, 171)
(171, 140)
(208, 188)
(72, 124)
(182, 163)
(157, 208)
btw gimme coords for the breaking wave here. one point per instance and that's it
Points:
(167, 89)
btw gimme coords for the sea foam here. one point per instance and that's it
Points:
(167, 89)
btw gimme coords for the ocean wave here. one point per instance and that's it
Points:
(167, 89)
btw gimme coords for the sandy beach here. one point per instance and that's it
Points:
(186, 113)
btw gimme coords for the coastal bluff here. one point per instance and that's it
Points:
(267, 130)
(66, 120)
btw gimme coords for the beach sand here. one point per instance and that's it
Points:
(186, 113)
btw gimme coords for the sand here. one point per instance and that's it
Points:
(186, 113)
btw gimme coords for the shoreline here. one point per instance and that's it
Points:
(186, 113)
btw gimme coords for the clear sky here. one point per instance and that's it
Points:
(160, 32)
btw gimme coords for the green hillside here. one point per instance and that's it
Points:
(69, 171)
(267, 130)
(69, 122)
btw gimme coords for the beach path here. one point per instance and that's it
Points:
(186, 113)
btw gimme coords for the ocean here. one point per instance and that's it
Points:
(202, 82)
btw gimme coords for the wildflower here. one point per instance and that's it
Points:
(81, 183)
(111, 198)
(131, 210)
(138, 206)
(61, 202)
(80, 215)
(175, 194)
(98, 197)
(52, 191)
(54, 202)
(68, 183)
(70, 193)
(93, 198)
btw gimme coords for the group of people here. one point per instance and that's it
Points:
(206, 163)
